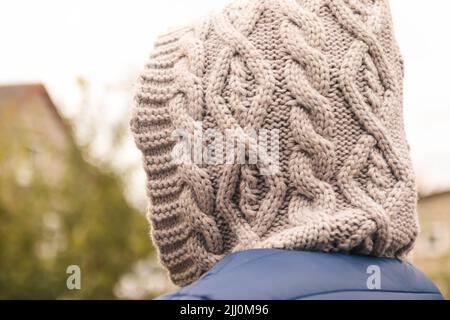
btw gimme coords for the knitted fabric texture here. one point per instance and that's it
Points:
(328, 75)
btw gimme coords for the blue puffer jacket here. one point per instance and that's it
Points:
(264, 274)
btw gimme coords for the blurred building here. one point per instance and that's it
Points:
(432, 251)
(38, 136)
(58, 210)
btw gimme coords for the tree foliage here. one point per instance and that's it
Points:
(81, 219)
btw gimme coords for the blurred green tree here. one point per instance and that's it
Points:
(57, 210)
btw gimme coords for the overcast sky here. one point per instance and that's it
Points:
(54, 41)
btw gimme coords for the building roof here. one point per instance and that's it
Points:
(21, 93)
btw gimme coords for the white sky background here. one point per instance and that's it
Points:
(107, 42)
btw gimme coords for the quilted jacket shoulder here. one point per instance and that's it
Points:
(272, 274)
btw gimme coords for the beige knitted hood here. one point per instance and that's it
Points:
(325, 76)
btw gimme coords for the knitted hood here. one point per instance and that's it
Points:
(324, 79)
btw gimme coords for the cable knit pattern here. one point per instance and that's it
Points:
(327, 74)
(311, 116)
(236, 44)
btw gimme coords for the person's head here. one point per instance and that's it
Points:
(276, 124)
